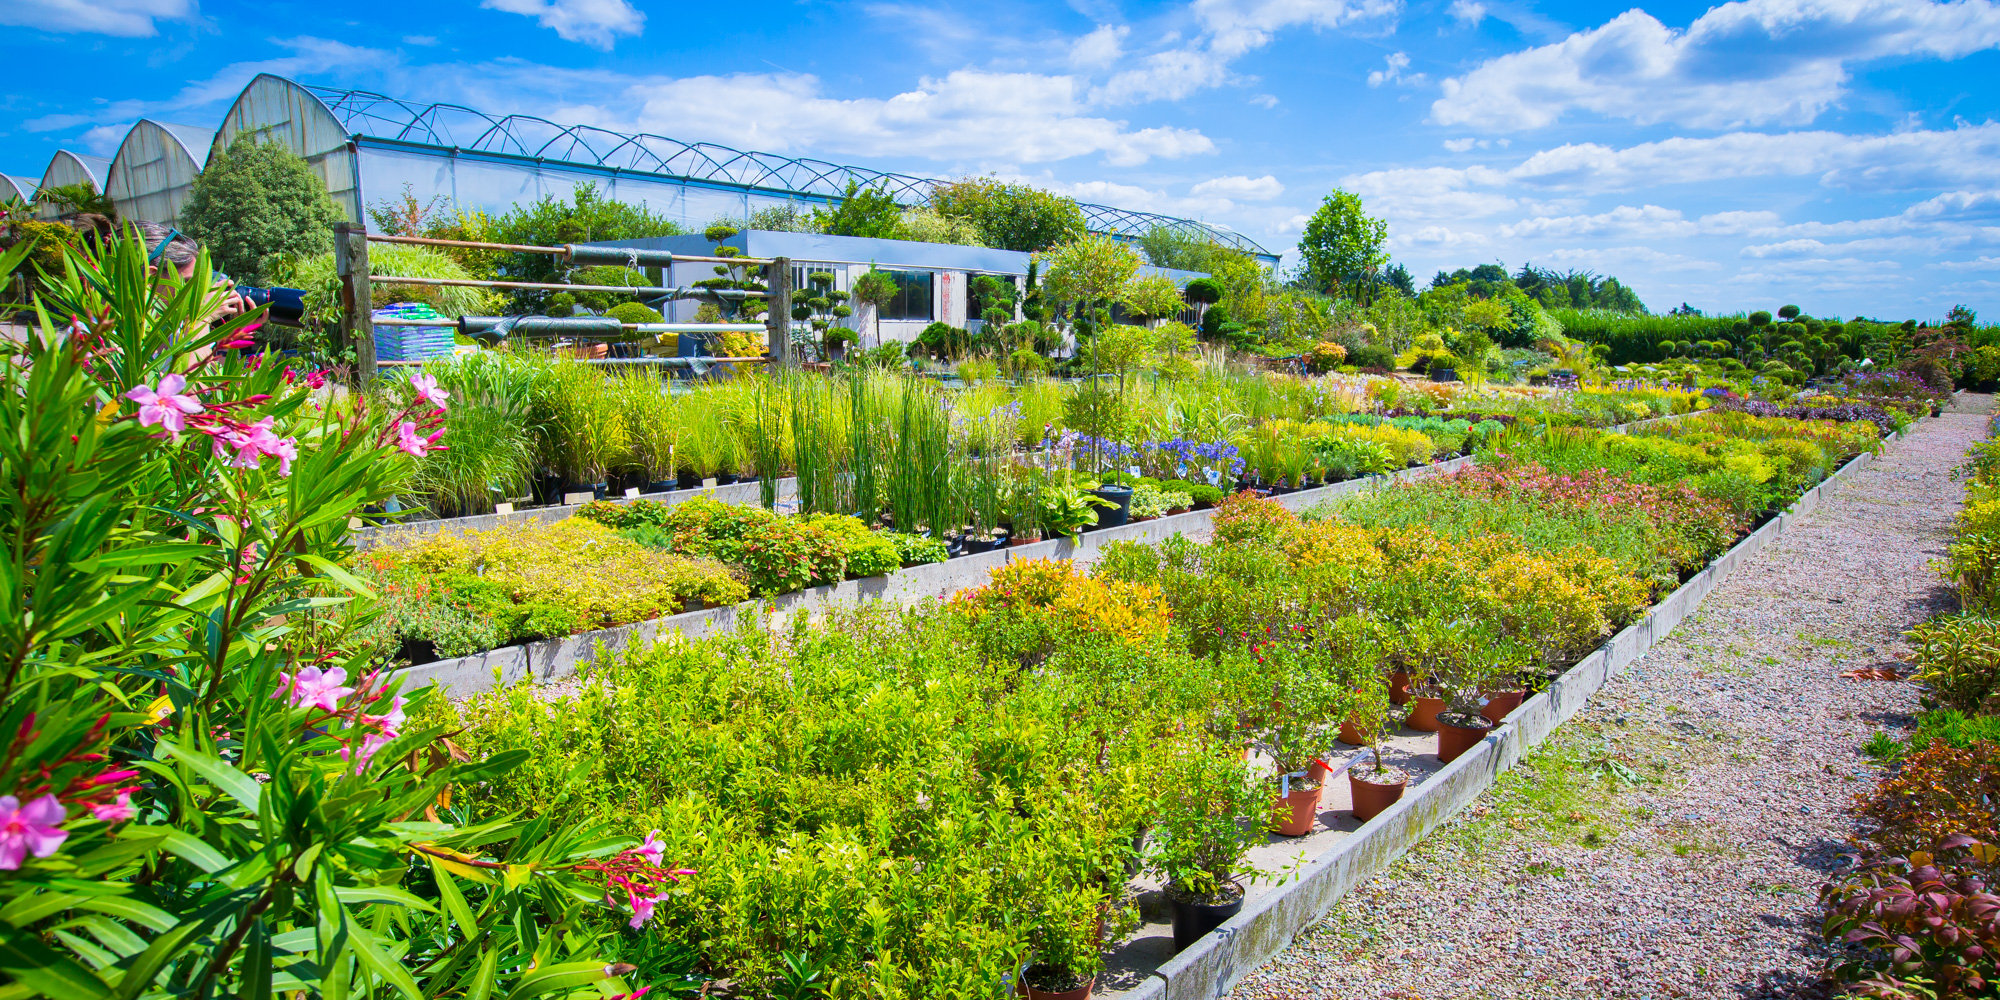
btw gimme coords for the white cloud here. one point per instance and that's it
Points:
(1265, 100)
(1238, 26)
(1015, 117)
(1752, 62)
(104, 140)
(123, 18)
(1240, 188)
(596, 23)
(1625, 220)
(1165, 76)
(1397, 63)
(425, 40)
(1468, 12)
(1100, 48)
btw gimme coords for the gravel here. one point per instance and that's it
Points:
(1670, 840)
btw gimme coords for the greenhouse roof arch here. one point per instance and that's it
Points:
(155, 168)
(275, 109)
(370, 119)
(12, 186)
(71, 168)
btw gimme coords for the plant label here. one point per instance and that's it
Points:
(1134, 470)
(709, 483)
(354, 524)
(503, 508)
(1214, 477)
(571, 499)
(631, 492)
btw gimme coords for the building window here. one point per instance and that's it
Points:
(913, 296)
(802, 275)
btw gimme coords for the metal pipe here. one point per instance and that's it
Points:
(639, 291)
(577, 252)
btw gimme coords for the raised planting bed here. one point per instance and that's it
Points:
(932, 770)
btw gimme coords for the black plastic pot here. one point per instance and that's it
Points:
(547, 488)
(1444, 374)
(687, 479)
(1112, 517)
(974, 546)
(1193, 921)
(662, 486)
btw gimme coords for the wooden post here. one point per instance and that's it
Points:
(778, 312)
(357, 301)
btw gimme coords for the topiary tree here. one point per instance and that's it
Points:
(878, 289)
(255, 201)
(819, 304)
(1203, 292)
(1153, 298)
(1788, 312)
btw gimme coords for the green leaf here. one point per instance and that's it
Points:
(382, 894)
(234, 783)
(371, 955)
(144, 914)
(341, 576)
(567, 976)
(187, 846)
(454, 901)
(489, 969)
(29, 962)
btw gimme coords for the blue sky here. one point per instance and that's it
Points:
(1840, 154)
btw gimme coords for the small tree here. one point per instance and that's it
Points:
(1342, 243)
(877, 289)
(820, 304)
(255, 201)
(1154, 297)
(1010, 216)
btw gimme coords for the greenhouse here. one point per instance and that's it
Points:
(368, 147)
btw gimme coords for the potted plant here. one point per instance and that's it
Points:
(1372, 785)
(1295, 736)
(1065, 510)
(1065, 945)
(1213, 810)
(1469, 667)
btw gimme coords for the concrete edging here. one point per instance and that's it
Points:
(1213, 965)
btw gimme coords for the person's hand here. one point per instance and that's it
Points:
(232, 304)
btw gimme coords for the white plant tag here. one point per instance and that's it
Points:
(503, 508)
(1214, 478)
(1133, 469)
(577, 498)
(631, 492)
(709, 483)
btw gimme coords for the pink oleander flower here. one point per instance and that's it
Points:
(642, 909)
(29, 829)
(390, 722)
(652, 850)
(371, 744)
(413, 443)
(286, 451)
(117, 811)
(165, 405)
(313, 687)
(426, 385)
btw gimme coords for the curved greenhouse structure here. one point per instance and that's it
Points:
(155, 168)
(71, 168)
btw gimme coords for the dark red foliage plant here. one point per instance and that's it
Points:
(1916, 926)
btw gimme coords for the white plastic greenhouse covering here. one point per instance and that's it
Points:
(155, 168)
(17, 187)
(71, 168)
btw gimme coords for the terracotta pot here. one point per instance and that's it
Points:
(1303, 804)
(1455, 738)
(1370, 797)
(1399, 688)
(1080, 993)
(1350, 735)
(1316, 773)
(1499, 703)
(1424, 714)
(1024, 540)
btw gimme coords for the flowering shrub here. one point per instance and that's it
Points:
(1921, 922)
(207, 787)
(780, 554)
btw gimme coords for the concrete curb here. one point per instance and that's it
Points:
(555, 659)
(1213, 965)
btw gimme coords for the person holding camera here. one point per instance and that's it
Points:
(166, 247)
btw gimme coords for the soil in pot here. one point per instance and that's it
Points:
(1500, 703)
(1458, 733)
(1375, 790)
(1300, 810)
(1194, 917)
(1399, 688)
(1424, 714)
(1049, 982)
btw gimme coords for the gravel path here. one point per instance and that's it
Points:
(1671, 839)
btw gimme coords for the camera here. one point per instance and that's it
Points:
(288, 305)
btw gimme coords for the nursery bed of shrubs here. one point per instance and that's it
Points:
(1915, 910)
(922, 801)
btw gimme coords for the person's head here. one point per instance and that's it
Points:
(166, 246)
